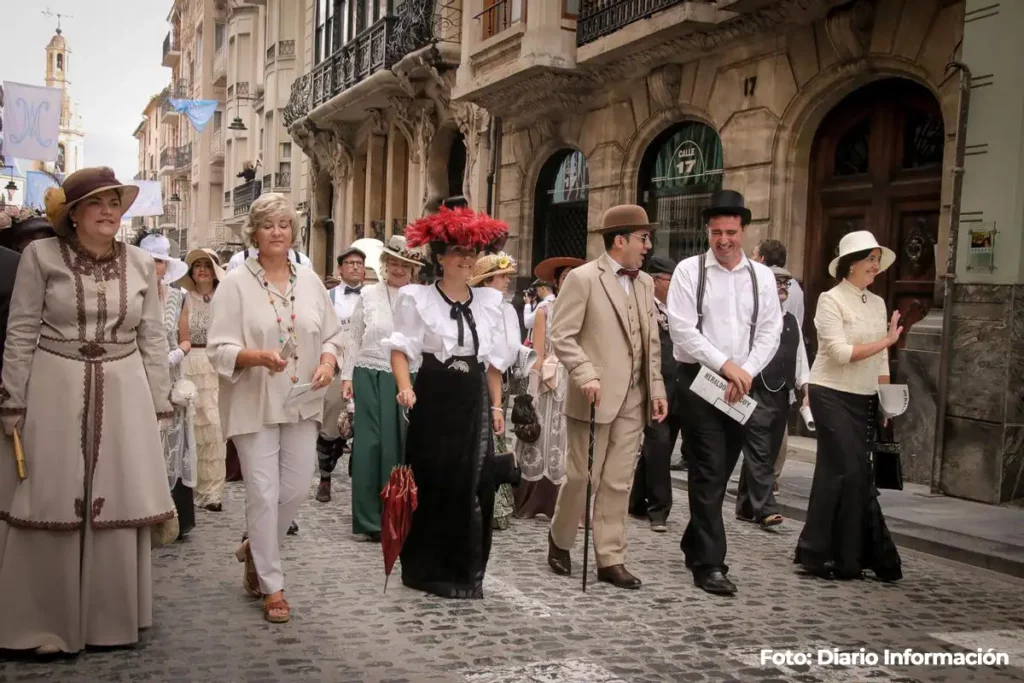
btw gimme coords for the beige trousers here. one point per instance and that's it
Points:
(616, 448)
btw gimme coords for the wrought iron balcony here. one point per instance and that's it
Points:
(244, 195)
(172, 50)
(398, 226)
(283, 179)
(268, 178)
(220, 65)
(285, 48)
(170, 216)
(419, 23)
(599, 18)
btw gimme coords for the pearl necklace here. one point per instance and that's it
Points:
(285, 329)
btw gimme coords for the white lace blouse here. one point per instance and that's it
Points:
(372, 322)
(423, 323)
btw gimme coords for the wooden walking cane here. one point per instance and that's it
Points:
(586, 516)
(19, 456)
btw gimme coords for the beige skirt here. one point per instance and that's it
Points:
(72, 589)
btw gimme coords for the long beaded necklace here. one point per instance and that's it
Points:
(285, 328)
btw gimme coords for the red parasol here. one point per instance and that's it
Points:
(400, 499)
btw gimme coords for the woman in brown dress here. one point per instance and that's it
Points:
(85, 380)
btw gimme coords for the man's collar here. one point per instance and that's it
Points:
(616, 266)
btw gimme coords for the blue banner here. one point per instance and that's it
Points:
(199, 112)
(36, 183)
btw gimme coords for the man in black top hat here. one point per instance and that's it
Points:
(651, 496)
(724, 315)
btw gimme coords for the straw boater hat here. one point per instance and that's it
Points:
(397, 248)
(79, 185)
(490, 265)
(18, 223)
(547, 268)
(624, 217)
(190, 259)
(159, 247)
(861, 240)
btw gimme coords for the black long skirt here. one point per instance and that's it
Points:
(845, 525)
(450, 450)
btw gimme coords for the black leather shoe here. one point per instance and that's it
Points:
(825, 570)
(558, 559)
(618, 577)
(293, 529)
(714, 582)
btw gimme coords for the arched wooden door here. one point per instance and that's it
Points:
(876, 165)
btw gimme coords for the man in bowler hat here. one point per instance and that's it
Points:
(724, 315)
(651, 496)
(605, 336)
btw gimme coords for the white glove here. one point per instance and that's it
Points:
(175, 357)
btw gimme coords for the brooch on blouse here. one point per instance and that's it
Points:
(459, 366)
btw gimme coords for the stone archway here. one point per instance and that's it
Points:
(436, 188)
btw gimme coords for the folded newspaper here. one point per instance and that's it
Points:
(711, 387)
(893, 399)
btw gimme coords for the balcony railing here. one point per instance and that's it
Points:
(598, 18)
(285, 48)
(220, 64)
(419, 23)
(501, 15)
(357, 231)
(170, 216)
(268, 178)
(244, 195)
(179, 89)
(282, 179)
(172, 49)
(398, 226)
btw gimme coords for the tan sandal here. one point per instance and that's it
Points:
(771, 520)
(277, 611)
(250, 578)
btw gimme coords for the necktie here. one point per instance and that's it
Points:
(463, 316)
(352, 290)
(631, 274)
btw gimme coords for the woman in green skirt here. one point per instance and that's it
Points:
(379, 426)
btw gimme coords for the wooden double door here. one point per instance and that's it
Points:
(876, 164)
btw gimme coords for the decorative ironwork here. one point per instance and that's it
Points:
(357, 231)
(853, 150)
(170, 216)
(419, 23)
(171, 43)
(285, 48)
(398, 226)
(283, 179)
(271, 52)
(244, 196)
(923, 141)
(227, 197)
(679, 216)
(501, 15)
(598, 18)
(377, 230)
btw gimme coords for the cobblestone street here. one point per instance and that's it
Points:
(535, 626)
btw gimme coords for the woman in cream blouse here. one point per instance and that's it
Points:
(272, 331)
(845, 531)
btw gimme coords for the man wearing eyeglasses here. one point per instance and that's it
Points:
(604, 331)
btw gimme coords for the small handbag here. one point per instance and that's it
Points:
(183, 392)
(887, 464)
(524, 417)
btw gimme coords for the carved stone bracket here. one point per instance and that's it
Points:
(378, 121)
(849, 29)
(663, 84)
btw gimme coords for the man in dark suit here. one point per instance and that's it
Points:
(651, 496)
(8, 270)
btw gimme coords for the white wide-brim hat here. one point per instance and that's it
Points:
(159, 247)
(862, 240)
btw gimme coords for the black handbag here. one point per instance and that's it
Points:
(523, 412)
(887, 463)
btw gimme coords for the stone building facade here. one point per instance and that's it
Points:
(828, 115)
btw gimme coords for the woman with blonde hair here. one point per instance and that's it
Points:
(200, 284)
(367, 376)
(275, 340)
(85, 383)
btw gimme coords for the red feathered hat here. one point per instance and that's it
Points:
(461, 227)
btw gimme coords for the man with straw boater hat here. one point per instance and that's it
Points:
(724, 315)
(605, 337)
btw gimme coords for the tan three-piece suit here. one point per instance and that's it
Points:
(601, 332)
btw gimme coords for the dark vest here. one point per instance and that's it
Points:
(781, 371)
(669, 366)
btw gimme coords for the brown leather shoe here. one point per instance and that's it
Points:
(558, 559)
(618, 577)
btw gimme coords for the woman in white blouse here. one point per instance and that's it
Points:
(367, 376)
(457, 333)
(274, 339)
(845, 531)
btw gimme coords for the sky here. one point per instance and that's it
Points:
(116, 48)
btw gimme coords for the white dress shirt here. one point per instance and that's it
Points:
(344, 303)
(624, 280)
(294, 255)
(728, 311)
(529, 317)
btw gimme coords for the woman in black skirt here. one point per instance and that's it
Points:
(457, 334)
(845, 531)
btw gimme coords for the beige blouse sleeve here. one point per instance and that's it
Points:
(225, 334)
(152, 340)
(828, 320)
(23, 325)
(331, 334)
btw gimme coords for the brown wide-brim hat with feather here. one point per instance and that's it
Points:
(87, 182)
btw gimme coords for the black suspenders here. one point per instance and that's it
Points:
(702, 285)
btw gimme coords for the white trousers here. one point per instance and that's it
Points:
(277, 464)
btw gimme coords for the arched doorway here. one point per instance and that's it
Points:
(679, 171)
(876, 164)
(560, 218)
(456, 166)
